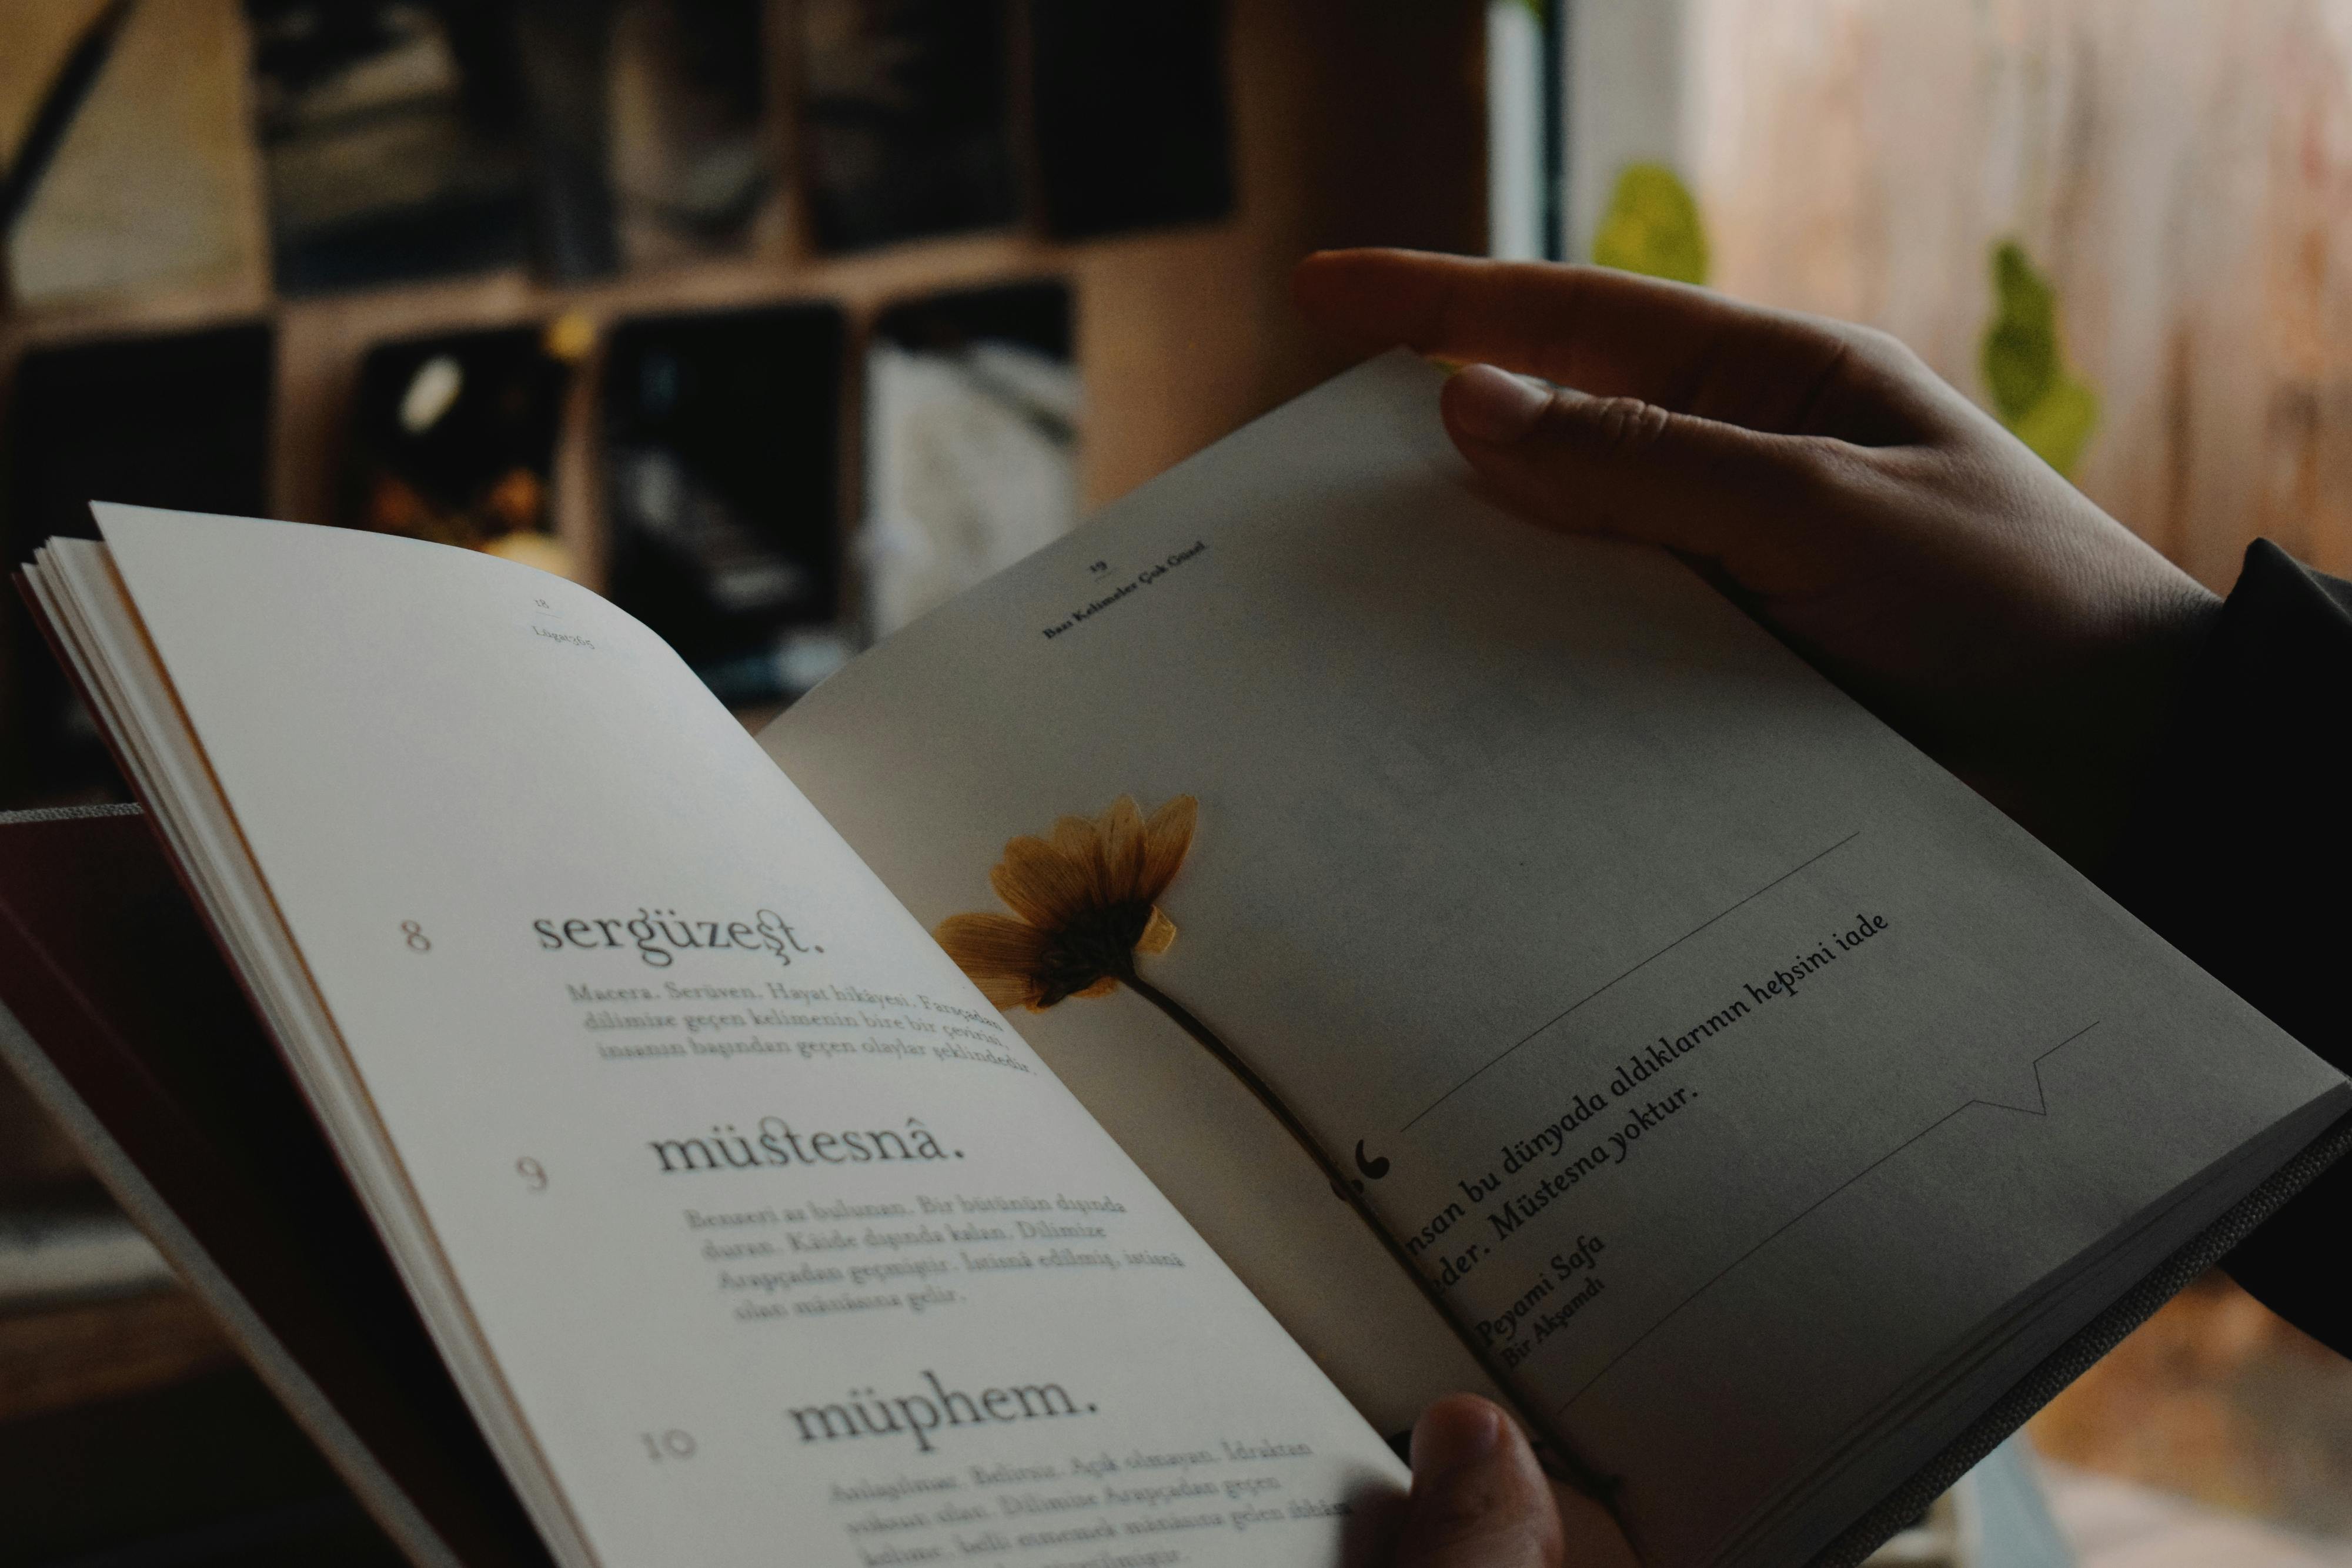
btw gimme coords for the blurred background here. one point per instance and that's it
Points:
(779, 321)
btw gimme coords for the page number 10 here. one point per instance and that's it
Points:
(670, 1445)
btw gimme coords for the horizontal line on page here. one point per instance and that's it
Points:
(1653, 957)
(2041, 1108)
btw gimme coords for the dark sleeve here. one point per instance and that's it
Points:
(2241, 855)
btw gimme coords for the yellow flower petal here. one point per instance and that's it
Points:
(1166, 837)
(1121, 828)
(1069, 894)
(999, 953)
(1081, 840)
(1042, 883)
(1159, 934)
(1006, 992)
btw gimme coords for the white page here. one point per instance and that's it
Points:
(486, 803)
(1488, 817)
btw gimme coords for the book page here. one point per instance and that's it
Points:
(1755, 1092)
(773, 1237)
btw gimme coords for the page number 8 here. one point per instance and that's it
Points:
(413, 935)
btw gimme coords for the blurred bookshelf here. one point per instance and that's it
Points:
(199, 308)
(1340, 123)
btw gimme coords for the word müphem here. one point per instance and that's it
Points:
(865, 1414)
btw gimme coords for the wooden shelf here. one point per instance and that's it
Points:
(74, 1356)
(1355, 121)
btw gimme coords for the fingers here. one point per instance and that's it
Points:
(1613, 334)
(1602, 330)
(1479, 1499)
(1752, 502)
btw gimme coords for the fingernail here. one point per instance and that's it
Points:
(1493, 405)
(1456, 1434)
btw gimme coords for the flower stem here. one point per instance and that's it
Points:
(1350, 1193)
(1181, 1017)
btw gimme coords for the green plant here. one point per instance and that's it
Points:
(2034, 390)
(1652, 227)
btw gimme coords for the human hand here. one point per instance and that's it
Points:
(1479, 1499)
(1820, 474)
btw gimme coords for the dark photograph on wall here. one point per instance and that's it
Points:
(722, 452)
(1129, 110)
(972, 443)
(693, 164)
(904, 127)
(452, 439)
(179, 421)
(394, 137)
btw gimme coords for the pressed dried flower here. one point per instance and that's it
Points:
(1084, 903)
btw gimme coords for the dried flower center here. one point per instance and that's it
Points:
(1095, 944)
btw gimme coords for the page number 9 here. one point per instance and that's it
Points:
(413, 935)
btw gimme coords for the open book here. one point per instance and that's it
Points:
(1771, 1122)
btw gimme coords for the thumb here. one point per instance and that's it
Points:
(1479, 1499)
(1620, 466)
